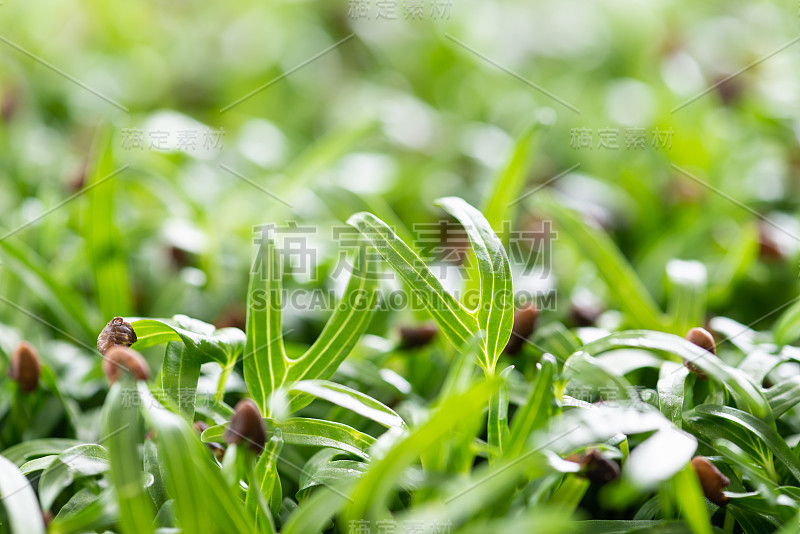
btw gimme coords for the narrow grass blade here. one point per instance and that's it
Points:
(104, 242)
(194, 481)
(533, 415)
(787, 329)
(266, 488)
(122, 426)
(784, 395)
(179, 375)
(688, 283)
(497, 423)
(623, 283)
(34, 273)
(372, 492)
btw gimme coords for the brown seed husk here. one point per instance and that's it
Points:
(596, 467)
(525, 319)
(703, 339)
(120, 359)
(116, 332)
(25, 367)
(412, 337)
(770, 247)
(247, 424)
(711, 479)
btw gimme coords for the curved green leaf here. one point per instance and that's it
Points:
(746, 393)
(753, 435)
(348, 398)
(784, 395)
(787, 328)
(495, 311)
(310, 433)
(79, 461)
(25, 451)
(19, 500)
(671, 389)
(456, 322)
(328, 467)
(203, 341)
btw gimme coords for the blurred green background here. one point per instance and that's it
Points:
(399, 112)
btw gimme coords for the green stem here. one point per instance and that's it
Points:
(223, 379)
(730, 522)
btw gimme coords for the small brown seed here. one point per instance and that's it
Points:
(25, 367)
(729, 88)
(412, 337)
(711, 479)
(120, 359)
(703, 339)
(525, 319)
(770, 244)
(596, 467)
(117, 332)
(246, 424)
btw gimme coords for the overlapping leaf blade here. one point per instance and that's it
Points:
(494, 314)
(267, 367)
